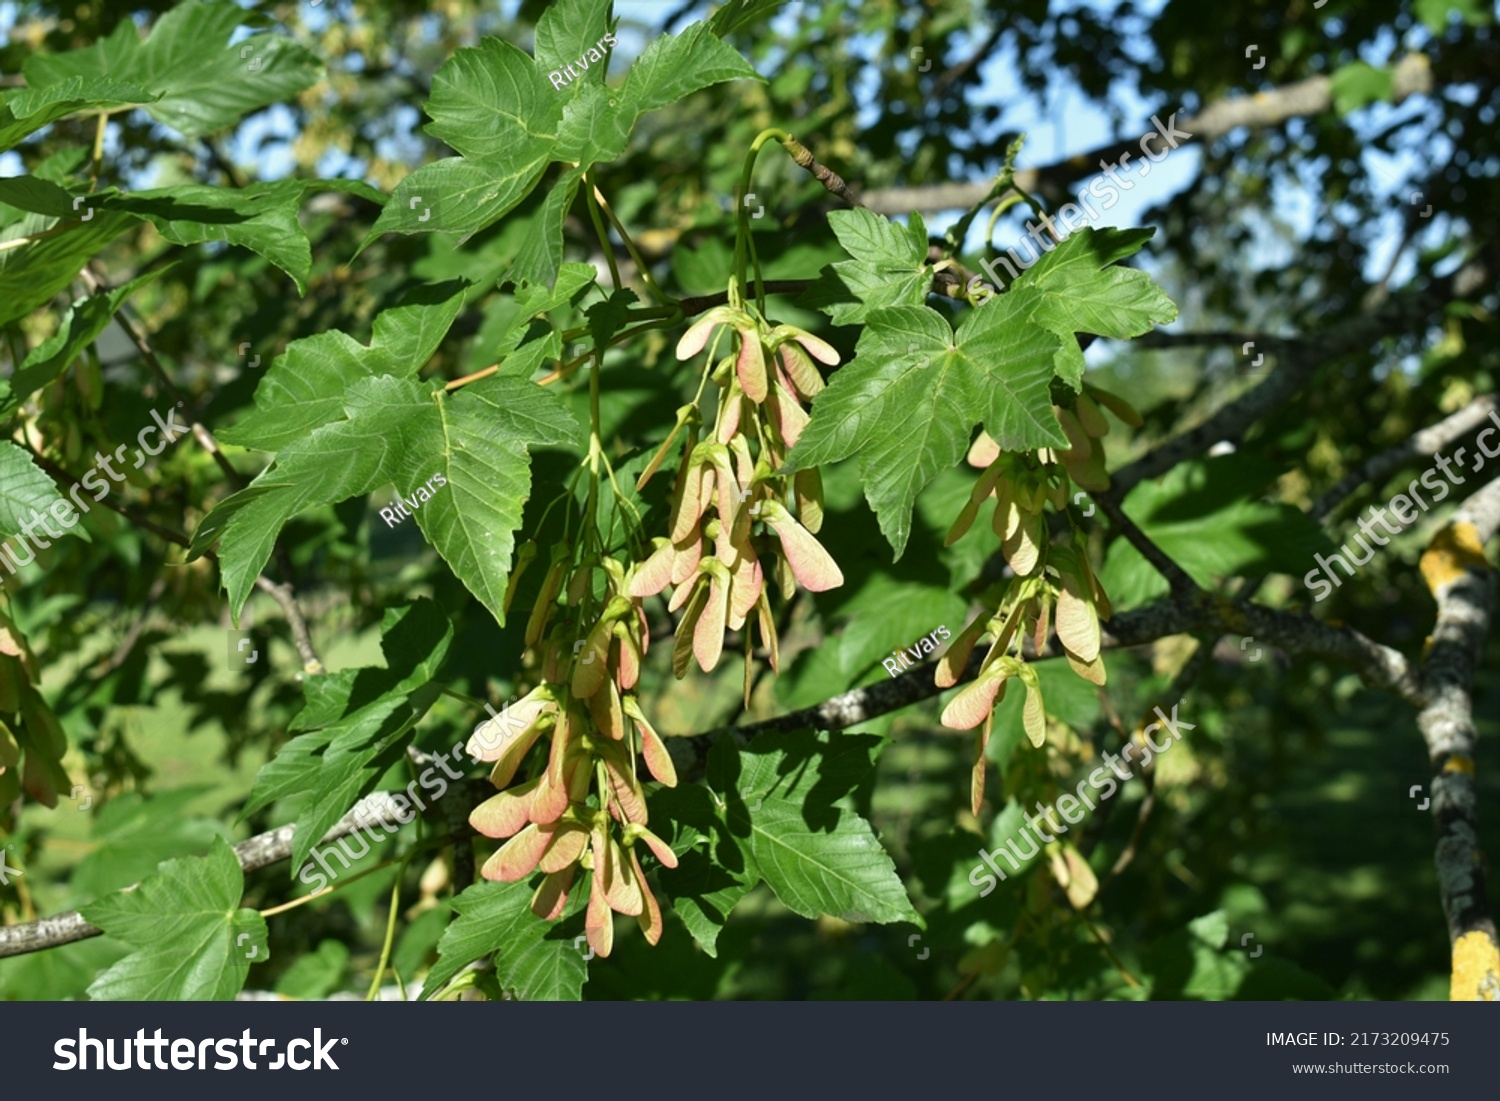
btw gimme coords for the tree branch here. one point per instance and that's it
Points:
(831, 180)
(1159, 339)
(1194, 612)
(1197, 612)
(1424, 444)
(378, 809)
(312, 665)
(284, 594)
(1181, 584)
(1297, 360)
(1463, 583)
(959, 71)
(176, 538)
(1411, 76)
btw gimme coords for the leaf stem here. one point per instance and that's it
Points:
(632, 535)
(340, 885)
(665, 318)
(1036, 206)
(596, 453)
(390, 935)
(1000, 208)
(1004, 181)
(742, 215)
(708, 370)
(21, 242)
(604, 242)
(635, 254)
(546, 512)
(98, 150)
(1109, 952)
(470, 700)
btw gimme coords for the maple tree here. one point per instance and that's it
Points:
(686, 475)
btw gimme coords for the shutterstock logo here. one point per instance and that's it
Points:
(143, 1054)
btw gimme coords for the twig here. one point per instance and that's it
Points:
(1130, 980)
(262, 850)
(137, 336)
(284, 593)
(22, 242)
(301, 636)
(174, 537)
(830, 179)
(1294, 633)
(224, 165)
(958, 71)
(138, 625)
(1159, 339)
(1194, 613)
(1181, 684)
(1298, 359)
(1177, 578)
(1424, 444)
(1411, 76)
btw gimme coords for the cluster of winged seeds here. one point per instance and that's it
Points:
(732, 522)
(727, 483)
(1052, 583)
(598, 733)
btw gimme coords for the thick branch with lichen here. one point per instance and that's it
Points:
(1463, 583)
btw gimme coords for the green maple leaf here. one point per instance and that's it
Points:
(25, 489)
(1081, 291)
(908, 402)
(715, 868)
(497, 109)
(889, 267)
(304, 388)
(781, 810)
(675, 66)
(598, 120)
(80, 327)
(402, 432)
(27, 110)
(31, 276)
(842, 871)
(357, 721)
(505, 117)
(263, 217)
(192, 940)
(204, 84)
(534, 959)
(594, 128)
(567, 30)
(567, 284)
(790, 801)
(414, 639)
(539, 259)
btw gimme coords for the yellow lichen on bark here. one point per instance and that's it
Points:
(1457, 763)
(1476, 969)
(1453, 550)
